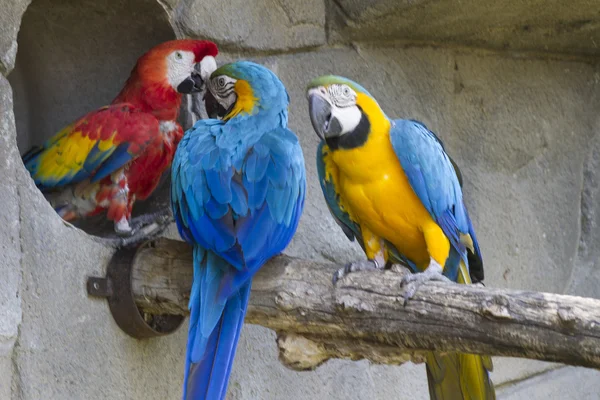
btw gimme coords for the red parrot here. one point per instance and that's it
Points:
(115, 155)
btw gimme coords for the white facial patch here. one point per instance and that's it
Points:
(223, 88)
(342, 95)
(180, 65)
(343, 105)
(348, 117)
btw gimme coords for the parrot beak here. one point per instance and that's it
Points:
(324, 123)
(214, 109)
(192, 84)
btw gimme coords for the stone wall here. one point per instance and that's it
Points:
(512, 90)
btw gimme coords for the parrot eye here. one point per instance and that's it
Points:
(178, 55)
(223, 86)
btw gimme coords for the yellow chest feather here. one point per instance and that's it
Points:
(375, 192)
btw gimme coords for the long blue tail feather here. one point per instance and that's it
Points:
(211, 349)
(238, 190)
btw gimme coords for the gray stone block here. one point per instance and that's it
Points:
(520, 130)
(254, 24)
(541, 26)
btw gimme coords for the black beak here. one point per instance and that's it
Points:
(192, 84)
(214, 109)
(325, 125)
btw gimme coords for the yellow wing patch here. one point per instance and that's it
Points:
(68, 154)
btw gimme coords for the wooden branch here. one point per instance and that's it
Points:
(364, 316)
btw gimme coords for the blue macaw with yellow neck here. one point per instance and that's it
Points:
(391, 185)
(237, 193)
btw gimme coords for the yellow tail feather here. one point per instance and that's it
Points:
(454, 376)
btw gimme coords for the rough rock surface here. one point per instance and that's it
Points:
(10, 20)
(540, 26)
(10, 242)
(254, 24)
(69, 347)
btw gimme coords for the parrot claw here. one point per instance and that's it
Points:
(123, 228)
(142, 228)
(368, 265)
(148, 220)
(412, 282)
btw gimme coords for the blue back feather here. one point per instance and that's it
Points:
(118, 157)
(238, 189)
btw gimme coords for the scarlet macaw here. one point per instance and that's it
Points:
(390, 184)
(113, 156)
(237, 193)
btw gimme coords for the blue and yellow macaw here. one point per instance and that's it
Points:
(390, 184)
(237, 193)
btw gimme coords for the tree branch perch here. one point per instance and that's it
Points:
(364, 316)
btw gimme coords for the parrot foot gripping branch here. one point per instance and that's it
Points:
(143, 228)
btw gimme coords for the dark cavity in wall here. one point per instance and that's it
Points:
(74, 57)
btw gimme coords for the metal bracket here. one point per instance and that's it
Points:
(116, 288)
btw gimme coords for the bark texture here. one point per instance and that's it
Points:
(364, 315)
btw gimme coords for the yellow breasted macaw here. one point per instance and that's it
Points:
(390, 184)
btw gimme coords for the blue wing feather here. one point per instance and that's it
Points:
(257, 192)
(215, 209)
(239, 214)
(119, 157)
(256, 166)
(277, 176)
(434, 180)
(215, 192)
(96, 157)
(239, 200)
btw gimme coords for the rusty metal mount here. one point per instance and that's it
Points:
(116, 288)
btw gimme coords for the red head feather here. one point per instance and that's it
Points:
(148, 86)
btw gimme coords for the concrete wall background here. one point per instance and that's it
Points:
(518, 112)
